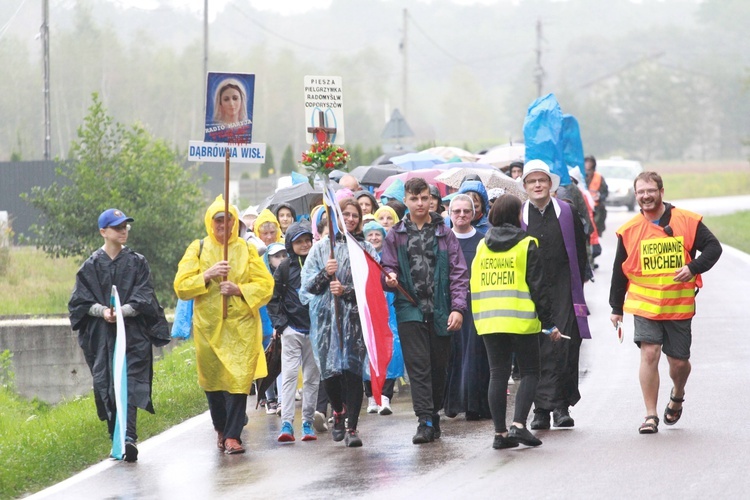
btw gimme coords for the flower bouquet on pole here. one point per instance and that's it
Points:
(321, 159)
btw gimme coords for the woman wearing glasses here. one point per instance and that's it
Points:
(335, 330)
(468, 369)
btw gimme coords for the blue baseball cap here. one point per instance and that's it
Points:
(113, 217)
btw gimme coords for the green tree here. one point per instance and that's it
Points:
(114, 166)
(268, 168)
(288, 164)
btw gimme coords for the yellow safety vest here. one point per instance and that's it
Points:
(500, 298)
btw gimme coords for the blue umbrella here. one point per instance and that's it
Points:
(418, 161)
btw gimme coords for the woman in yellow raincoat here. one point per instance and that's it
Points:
(228, 351)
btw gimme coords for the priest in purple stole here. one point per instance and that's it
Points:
(562, 242)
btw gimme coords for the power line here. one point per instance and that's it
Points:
(7, 24)
(433, 42)
(282, 37)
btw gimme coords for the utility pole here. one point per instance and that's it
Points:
(45, 45)
(205, 53)
(538, 70)
(404, 82)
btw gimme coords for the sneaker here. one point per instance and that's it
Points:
(271, 407)
(501, 443)
(352, 439)
(541, 420)
(562, 418)
(385, 408)
(372, 406)
(425, 433)
(436, 432)
(339, 426)
(319, 422)
(131, 450)
(263, 402)
(308, 433)
(233, 447)
(287, 433)
(220, 440)
(522, 435)
(298, 395)
(278, 409)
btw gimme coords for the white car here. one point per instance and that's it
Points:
(619, 175)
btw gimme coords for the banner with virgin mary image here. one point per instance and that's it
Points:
(229, 107)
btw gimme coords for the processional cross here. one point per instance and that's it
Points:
(321, 132)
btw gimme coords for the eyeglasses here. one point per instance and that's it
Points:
(350, 215)
(121, 227)
(459, 211)
(646, 192)
(541, 180)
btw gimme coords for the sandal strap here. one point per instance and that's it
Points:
(651, 417)
(674, 399)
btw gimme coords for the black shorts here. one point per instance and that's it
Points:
(674, 336)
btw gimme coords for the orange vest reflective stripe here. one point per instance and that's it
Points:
(653, 258)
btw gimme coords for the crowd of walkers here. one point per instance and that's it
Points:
(483, 290)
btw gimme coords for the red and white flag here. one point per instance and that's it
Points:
(373, 313)
(371, 303)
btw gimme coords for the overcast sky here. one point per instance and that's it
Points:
(280, 6)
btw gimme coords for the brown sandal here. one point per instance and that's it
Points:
(672, 416)
(649, 427)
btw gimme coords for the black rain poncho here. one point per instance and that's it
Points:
(128, 271)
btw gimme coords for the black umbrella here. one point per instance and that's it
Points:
(299, 196)
(375, 175)
(273, 361)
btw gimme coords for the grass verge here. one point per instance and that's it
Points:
(41, 445)
(705, 185)
(733, 229)
(35, 283)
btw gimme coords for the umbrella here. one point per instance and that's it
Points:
(299, 196)
(417, 161)
(448, 153)
(490, 177)
(273, 361)
(502, 156)
(375, 175)
(385, 158)
(428, 175)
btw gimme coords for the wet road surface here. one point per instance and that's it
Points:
(704, 455)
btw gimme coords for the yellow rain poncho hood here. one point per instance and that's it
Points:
(229, 351)
(267, 216)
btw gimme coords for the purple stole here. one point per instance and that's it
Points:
(565, 217)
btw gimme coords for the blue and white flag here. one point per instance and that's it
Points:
(120, 378)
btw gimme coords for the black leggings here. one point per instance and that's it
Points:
(387, 391)
(346, 389)
(500, 350)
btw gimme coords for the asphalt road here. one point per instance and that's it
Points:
(704, 455)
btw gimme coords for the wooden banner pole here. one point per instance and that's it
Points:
(227, 225)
